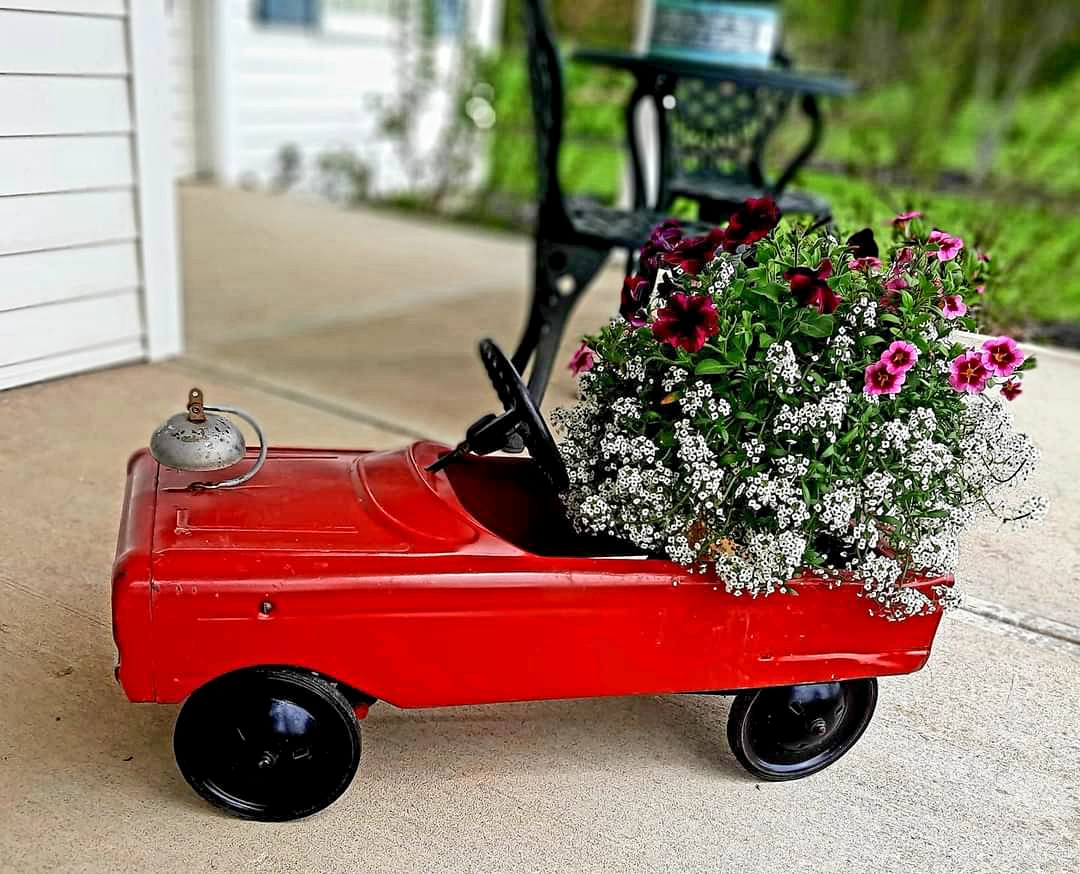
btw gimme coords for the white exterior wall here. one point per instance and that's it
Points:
(293, 85)
(258, 87)
(88, 272)
(186, 62)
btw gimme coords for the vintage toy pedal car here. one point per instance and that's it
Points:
(279, 606)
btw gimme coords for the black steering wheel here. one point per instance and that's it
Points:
(520, 421)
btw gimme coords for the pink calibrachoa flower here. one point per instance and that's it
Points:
(953, 306)
(948, 246)
(982, 256)
(1012, 390)
(687, 321)
(865, 264)
(904, 256)
(980, 289)
(968, 372)
(896, 283)
(900, 357)
(582, 360)
(879, 380)
(901, 220)
(1002, 355)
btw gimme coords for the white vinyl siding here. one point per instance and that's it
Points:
(73, 250)
(320, 89)
(79, 45)
(37, 165)
(35, 105)
(296, 86)
(56, 275)
(34, 222)
(75, 7)
(261, 86)
(57, 329)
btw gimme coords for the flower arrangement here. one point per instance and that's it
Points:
(773, 400)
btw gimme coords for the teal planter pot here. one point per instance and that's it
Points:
(740, 33)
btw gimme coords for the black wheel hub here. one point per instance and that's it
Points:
(792, 731)
(263, 747)
(791, 724)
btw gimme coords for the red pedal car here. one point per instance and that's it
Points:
(279, 610)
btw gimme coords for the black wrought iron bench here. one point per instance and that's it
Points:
(713, 142)
(573, 236)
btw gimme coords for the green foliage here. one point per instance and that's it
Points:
(1036, 239)
(591, 159)
(1038, 151)
(1035, 246)
(595, 22)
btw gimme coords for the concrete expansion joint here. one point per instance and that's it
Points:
(1026, 625)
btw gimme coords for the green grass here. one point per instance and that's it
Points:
(1038, 148)
(1034, 246)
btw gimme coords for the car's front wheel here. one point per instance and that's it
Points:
(270, 744)
(787, 732)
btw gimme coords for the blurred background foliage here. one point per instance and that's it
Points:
(968, 110)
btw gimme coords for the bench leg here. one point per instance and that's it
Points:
(561, 273)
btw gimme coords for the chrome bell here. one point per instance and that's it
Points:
(201, 439)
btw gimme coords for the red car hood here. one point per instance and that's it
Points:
(314, 500)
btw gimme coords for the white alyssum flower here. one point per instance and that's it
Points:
(773, 458)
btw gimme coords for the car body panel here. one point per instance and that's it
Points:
(366, 568)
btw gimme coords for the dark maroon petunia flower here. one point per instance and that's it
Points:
(664, 238)
(635, 300)
(810, 288)
(690, 254)
(687, 321)
(863, 244)
(889, 301)
(751, 222)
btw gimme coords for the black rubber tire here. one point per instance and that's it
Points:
(270, 744)
(774, 732)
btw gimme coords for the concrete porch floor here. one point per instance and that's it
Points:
(358, 329)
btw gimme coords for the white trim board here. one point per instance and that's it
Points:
(81, 360)
(156, 191)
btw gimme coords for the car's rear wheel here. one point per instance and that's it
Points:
(270, 744)
(787, 732)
